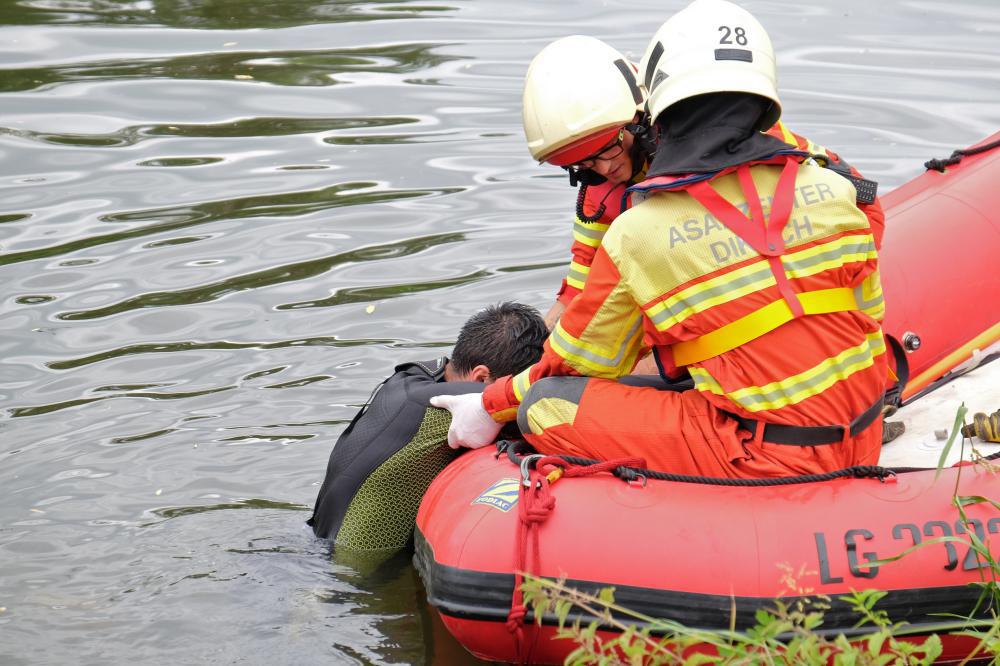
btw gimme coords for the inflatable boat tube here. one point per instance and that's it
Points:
(707, 555)
(938, 263)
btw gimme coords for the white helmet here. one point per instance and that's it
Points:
(578, 93)
(710, 46)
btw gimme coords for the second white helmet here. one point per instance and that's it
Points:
(710, 46)
(578, 93)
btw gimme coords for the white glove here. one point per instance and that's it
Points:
(471, 425)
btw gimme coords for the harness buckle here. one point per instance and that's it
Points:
(846, 436)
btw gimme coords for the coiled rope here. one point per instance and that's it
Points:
(956, 157)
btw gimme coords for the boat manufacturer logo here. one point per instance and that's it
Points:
(500, 495)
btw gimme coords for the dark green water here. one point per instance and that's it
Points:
(222, 222)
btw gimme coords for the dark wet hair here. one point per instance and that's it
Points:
(506, 338)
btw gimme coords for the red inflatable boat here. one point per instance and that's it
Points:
(691, 552)
(939, 265)
(694, 551)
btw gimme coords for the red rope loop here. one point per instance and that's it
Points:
(549, 464)
(535, 505)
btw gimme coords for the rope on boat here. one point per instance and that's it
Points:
(941, 164)
(518, 453)
(535, 504)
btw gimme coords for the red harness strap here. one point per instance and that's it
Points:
(762, 234)
(535, 503)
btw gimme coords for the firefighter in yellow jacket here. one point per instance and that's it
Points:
(741, 261)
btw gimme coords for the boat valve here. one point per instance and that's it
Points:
(911, 341)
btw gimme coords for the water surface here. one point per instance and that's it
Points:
(222, 223)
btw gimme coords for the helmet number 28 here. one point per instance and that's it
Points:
(729, 33)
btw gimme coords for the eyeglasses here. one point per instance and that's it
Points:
(608, 152)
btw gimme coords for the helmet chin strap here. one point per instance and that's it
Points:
(584, 177)
(643, 143)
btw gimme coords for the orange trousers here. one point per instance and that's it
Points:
(678, 432)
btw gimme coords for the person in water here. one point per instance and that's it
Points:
(741, 262)
(385, 459)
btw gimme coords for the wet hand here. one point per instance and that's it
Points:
(471, 426)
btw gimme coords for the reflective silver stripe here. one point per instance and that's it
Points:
(793, 393)
(579, 276)
(875, 302)
(676, 310)
(834, 253)
(522, 382)
(588, 230)
(571, 349)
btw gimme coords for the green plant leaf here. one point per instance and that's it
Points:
(966, 500)
(563, 607)
(932, 648)
(955, 429)
(875, 643)
(763, 617)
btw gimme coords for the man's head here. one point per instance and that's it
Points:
(579, 95)
(497, 341)
(613, 161)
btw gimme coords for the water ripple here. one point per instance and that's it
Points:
(39, 410)
(257, 503)
(288, 68)
(174, 218)
(220, 14)
(269, 277)
(224, 222)
(174, 347)
(385, 292)
(235, 129)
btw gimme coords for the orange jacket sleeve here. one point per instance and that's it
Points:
(599, 335)
(579, 267)
(587, 235)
